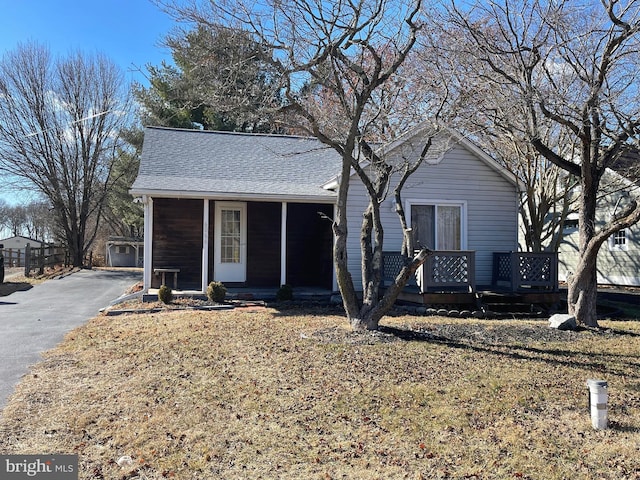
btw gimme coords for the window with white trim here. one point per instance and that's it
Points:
(437, 226)
(618, 241)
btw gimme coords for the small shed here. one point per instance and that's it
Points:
(125, 252)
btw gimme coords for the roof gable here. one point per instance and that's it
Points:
(410, 145)
(444, 141)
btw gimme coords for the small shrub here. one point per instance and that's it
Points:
(216, 291)
(285, 292)
(165, 295)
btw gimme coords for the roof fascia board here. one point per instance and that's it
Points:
(330, 199)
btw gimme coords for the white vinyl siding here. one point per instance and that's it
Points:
(616, 265)
(617, 262)
(490, 212)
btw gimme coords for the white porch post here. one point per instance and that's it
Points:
(205, 246)
(334, 281)
(283, 245)
(148, 242)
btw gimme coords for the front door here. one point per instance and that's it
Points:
(230, 247)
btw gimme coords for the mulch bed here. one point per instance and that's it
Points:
(476, 333)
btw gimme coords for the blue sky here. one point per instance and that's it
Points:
(129, 32)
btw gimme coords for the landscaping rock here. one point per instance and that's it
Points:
(125, 461)
(563, 321)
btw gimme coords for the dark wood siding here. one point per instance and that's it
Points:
(177, 240)
(263, 244)
(309, 245)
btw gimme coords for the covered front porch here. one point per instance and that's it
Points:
(243, 244)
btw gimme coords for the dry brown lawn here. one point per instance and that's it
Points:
(294, 395)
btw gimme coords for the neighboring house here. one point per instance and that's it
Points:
(619, 258)
(19, 242)
(256, 210)
(14, 249)
(124, 252)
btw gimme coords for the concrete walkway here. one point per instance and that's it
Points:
(37, 319)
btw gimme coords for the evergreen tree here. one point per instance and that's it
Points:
(219, 82)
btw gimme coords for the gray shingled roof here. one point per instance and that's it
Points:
(194, 162)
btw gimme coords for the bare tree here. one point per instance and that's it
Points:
(547, 197)
(15, 219)
(571, 67)
(341, 67)
(59, 127)
(4, 216)
(40, 221)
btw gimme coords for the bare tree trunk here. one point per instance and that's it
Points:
(582, 293)
(340, 258)
(371, 245)
(583, 284)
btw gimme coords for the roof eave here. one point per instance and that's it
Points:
(257, 197)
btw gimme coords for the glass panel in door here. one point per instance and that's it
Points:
(230, 242)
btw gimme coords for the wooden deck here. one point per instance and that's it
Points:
(520, 281)
(485, 300)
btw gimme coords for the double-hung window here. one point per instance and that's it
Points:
(438, 225)
(618, 241)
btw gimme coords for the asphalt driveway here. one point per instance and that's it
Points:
(37, 319)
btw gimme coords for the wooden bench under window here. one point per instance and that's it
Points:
(164, 271)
